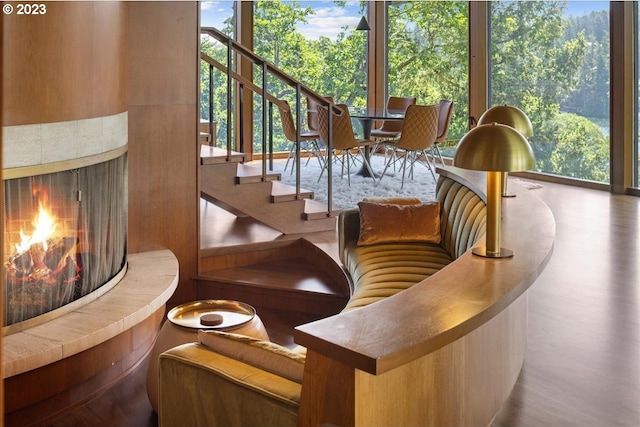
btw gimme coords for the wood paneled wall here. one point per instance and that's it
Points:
(67, 64)
(1, 234)
(163, 134)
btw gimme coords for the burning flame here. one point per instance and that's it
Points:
(44, 226)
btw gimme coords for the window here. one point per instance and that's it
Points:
(636, 149)
(428, 55)
(219, 15)
(551, 59)
(316, 43)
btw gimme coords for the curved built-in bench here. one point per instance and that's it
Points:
(444, 351)
(378, 271)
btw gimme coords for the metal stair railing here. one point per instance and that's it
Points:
(268, 100)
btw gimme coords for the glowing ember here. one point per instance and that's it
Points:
(46, 270)
(44, 226)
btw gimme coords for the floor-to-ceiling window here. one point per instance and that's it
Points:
(317, 43)
(636, 146)
(551, 59)
(219, 15)
(428, 55)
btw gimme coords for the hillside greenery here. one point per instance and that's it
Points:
(555, 68)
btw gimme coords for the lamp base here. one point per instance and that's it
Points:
(508, 195)
(482, 251)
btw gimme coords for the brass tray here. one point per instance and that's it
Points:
(234, 314)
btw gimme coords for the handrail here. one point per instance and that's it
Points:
(223, 38)
(240, 78)
(267, 68)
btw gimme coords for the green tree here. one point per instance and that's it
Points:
(343, 68)
(591, 97)
(539, 61)
(532, 67)
(580, 149)
(329, 67)
(218, 52)
(276, 36)
(428, 55)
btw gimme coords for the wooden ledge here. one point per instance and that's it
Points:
(450, 304)
(446, 351)
(151, 279)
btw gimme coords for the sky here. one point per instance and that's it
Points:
(329, 19)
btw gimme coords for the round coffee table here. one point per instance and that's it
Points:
(185, 320)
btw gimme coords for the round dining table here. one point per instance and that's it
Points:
(367, 120)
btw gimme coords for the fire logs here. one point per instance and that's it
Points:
(42, 279)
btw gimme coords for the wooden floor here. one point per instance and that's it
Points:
(582, 367)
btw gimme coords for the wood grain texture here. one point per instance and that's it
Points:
(461, 384)
(582, 362)
(163, 51)
(149, 283)
(163, 134)
(581, 366)
(68, 64)
(469, 292)
(39, 394)
(328, 393)
(284, 248)
(455, 341)
(1, 236)
(253, 197)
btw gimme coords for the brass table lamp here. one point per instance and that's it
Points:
(510, 116)
(494, 148)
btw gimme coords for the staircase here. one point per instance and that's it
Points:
(228, 182)
(291, 275)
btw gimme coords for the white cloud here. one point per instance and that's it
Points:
(213, 13)
(328, 21)
(208, 5)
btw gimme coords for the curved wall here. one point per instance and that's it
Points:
(68, 64)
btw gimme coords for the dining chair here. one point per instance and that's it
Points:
(312, 112)
(391, 129)
(419, 132)
(289, 130)
(444, 119)
(312, 123)
(343, 139)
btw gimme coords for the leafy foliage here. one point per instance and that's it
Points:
(580, 150)
(540, 61)
(428, 55)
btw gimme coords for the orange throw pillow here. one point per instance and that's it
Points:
(392, 223)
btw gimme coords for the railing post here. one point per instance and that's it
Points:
(298, 126)
(270, 136)
(264, 119)
(229, 98)
(267, 116)
(210, 105)
(330, 159)
(241, 118)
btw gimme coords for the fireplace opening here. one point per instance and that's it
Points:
(65, 236)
